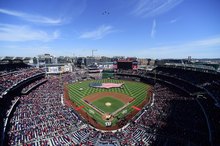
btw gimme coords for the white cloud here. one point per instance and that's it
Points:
(32, 18)
(98, 33)
(153, 30)
(24, 33)
(149, 8)
(26, 50)
(173, 21)
(206, 43)
(199, 48)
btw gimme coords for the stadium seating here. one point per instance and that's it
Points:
(172, 117)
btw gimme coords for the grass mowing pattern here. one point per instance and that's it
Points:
(135, 90)
(115, 104)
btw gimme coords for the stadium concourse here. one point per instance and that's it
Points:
(175, 116)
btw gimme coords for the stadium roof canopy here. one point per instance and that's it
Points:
(12, 59)
(202, 68)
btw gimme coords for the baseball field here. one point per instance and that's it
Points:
(107, 105)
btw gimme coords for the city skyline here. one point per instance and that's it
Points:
(144, 29)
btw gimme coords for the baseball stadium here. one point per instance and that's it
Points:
(173, 104)
(109, 73)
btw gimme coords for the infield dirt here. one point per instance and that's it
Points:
(122, 97)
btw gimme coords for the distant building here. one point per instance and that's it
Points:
(65, 59)
(105, 59)
(81, 62)
(46, 59)
(90, 60)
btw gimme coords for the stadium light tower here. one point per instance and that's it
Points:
(93, 52)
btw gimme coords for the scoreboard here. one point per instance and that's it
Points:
(125, 65)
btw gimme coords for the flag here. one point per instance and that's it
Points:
(106, 85)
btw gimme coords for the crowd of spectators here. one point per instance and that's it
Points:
(129, 72)
(171, 118)
(197, 84)
(176, 116)
(9, 79)
(40, 119)
(213, 87)
(191, 81)
(209, 81)
(33, 84)
(196, 77)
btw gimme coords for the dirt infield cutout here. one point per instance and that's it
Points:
(122, 97)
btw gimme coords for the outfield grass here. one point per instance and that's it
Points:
(115, 104)
(133, 89)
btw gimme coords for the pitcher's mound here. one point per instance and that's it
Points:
(108, 104)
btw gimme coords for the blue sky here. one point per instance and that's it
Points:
(141, 28)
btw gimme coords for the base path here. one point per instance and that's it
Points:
(122, 97)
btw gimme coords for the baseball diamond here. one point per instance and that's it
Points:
(107, 101)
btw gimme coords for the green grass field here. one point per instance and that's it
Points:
(101, 104)
(133, 89)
